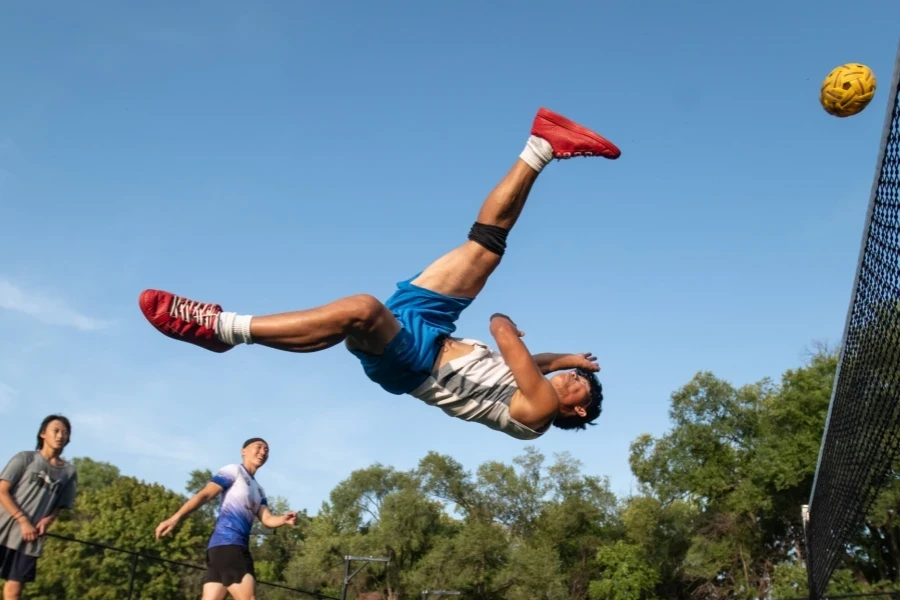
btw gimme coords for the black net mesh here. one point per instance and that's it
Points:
(862, 436)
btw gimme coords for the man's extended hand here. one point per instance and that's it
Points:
(166, 527)
(586, 361)
(290, 518)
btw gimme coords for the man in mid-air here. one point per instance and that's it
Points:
(405, 344)
(229, 564)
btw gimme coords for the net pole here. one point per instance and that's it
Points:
(873, 194)
(134, 563)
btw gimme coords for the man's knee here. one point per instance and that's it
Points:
(367, 311)
(372, 324)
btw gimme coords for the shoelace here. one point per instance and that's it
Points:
(202, 313)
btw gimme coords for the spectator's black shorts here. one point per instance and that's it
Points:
(17, 566)
(228, 564)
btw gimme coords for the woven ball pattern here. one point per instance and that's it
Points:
(847, 90)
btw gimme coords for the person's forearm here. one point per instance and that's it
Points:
(502, 325)
(549, 362)
(10, 506)
(54, 514)
(273, 521)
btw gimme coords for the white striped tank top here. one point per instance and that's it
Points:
(476, 387)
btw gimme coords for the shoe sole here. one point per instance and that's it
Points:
(570, 125)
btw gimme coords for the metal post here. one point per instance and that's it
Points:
(348, 575)
(346, 578)
(134, 561)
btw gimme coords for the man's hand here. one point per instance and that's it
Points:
(43, 525)
(586, 361)
(290, 518)
(29, 533)
(550, 363)
(166, 527)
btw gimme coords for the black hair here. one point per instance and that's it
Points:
(251, 440)
(46, 422)
(594, 408)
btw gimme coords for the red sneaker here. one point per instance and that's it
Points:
(183, 319)
(570, 139)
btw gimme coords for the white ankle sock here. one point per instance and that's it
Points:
(537, 153)
(233, 328)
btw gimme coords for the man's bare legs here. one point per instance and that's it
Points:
(463, 271)
(364, 321)
(214, 591)
(245, 590)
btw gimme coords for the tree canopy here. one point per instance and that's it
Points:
(716, 515)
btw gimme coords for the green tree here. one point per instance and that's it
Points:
(470, 561)
(197, 480)
(275, 549)
(94, 475)
(626, 574)
(318, 565)
(663, 532)
(708, 459)
(743, 459)
(579, 515)
(123, 514)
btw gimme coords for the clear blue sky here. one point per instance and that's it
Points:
(278, 155)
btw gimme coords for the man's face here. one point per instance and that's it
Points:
(256, 453)
(574, 392)
(55, 435)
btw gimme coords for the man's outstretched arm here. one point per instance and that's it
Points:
(540, 398)
(549, 362)
(275, 521)
(210, 491)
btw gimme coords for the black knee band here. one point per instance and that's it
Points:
(491, 237)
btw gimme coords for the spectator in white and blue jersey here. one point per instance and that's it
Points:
(229, 564)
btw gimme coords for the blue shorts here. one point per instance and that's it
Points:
(426, 318)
